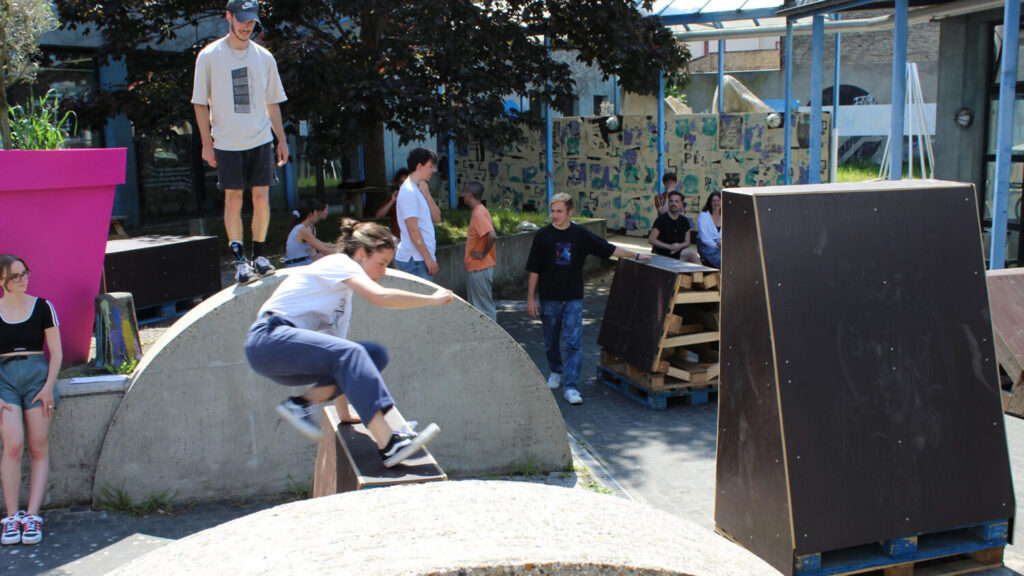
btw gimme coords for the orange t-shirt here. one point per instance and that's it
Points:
(476, 238)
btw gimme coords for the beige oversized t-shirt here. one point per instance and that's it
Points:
(237, 85)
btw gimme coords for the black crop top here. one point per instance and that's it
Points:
(27, 336)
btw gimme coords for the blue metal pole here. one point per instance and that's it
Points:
(451, 173)
(615, 95)
(549, 155)
(661, 130)
(1004, 134)
(899, 91)
(817, 69)
(833, 169)
(789, 98)
(721, 76)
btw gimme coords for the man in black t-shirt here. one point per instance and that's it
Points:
(555, 265)
(670, 235)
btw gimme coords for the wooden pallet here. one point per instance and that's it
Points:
(959, 551)
(684, 371)
(691, 396)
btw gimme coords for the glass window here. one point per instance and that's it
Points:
(1018, 125)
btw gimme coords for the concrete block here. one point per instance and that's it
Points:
(197, 420)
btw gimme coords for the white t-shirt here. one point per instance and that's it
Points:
(412, 204)
(315, 296)
(237, 86)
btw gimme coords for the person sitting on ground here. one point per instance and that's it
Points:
(669, 184)
(28, 397)
(390, 209)
(709, 225)
(302, 246)
(670, 235)
(300, 337)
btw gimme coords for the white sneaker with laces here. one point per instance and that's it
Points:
(554, 381)
(572, 396)
(11, 529)
(301, 417)
(31, 529)
(262, 266)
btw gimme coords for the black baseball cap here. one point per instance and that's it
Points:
(245, 10)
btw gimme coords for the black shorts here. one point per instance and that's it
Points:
(242, 169)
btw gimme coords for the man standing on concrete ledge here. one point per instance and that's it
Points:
(480, 258)
(237, 96)
(556, 265)
(417, 214)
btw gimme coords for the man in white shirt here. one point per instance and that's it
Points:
(236, 96)
(417, 213)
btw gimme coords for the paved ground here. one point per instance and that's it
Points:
(666, 459)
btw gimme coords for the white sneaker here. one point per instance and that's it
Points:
(554, 381)
(301, 417)
(31, 529)
(572, 396)
(11, 533)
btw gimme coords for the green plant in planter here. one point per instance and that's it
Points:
(39, 125)
(21, 25)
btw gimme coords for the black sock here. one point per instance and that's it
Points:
(257, 249)
(237, 250)
(300, 400)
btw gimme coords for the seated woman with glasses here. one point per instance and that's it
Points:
(28, 397)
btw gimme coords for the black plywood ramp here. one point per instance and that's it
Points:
(859, 396)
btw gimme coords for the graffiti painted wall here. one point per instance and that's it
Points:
(613, 173)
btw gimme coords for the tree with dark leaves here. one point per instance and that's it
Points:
(441, 67)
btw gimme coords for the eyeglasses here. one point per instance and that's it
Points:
(19, 277)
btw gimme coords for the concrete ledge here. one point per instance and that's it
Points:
(512, 252)
(456, 528)
(199, 422)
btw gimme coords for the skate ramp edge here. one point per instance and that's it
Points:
(198, 423)
(471, 527)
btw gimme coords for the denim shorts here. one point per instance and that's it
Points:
(243, 169)
(21, 378)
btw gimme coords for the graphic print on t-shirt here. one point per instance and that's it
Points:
(339, 312)
(563, 253)
(240, 90)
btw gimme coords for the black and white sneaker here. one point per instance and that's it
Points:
(244, 272)
(301, 417)
(404, 444)
(262, 266)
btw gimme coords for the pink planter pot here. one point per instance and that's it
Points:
(56, 206)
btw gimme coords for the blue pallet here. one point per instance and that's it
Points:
(655, 400)
(911, 549)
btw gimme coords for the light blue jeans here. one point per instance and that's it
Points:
(563, 319)
(415, 267)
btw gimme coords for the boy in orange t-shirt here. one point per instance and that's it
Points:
(480, 260)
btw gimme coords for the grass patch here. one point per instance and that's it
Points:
(857, 171)
(116, 499)
(454, 224)
(588, 481)
(298, 489)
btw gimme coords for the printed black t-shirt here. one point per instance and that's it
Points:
(557, 256)
(670, 231)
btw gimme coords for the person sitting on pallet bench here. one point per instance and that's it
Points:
(670, 235)
(301, 337)
(555, 264)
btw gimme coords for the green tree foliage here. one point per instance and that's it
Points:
(416, 66)
(22, 22)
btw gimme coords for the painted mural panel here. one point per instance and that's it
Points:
(613, 174)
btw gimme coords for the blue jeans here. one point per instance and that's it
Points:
(713, 254)
(297, 357)
(415, 267)
(563, 319)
